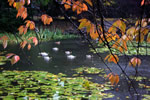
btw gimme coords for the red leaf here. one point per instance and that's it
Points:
(15, 59)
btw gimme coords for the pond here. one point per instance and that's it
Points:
(59, 63)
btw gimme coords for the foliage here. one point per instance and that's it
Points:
(114, 37)
(44, 85)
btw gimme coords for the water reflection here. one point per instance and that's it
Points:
(59, 62)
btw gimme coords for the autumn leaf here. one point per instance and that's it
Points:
(30, 24)
(113, 78)
(85, 8)
(142, 2)
(29, 46)
(35, 41)
(4, 40)
(89, 2)
(22, 29)
(46, 19)
(22, 12)
(112, 58)
(23, 44)
(67, 4)
(135, 62)
(15, 59)
(10, 2)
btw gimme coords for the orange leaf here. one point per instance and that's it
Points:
(30, 24)
(142, 2)
(15, 59)
(49, 20)
(23, 44)
(113, 78)
(10, 2)
(89, 2)
(46, 19)
(84, 8)
(29, 46)
(67, 5)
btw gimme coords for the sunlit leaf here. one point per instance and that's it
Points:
(89, 2)
(67, 5)
(85, 8)
(29, 46)
(46, 19)
(10, 2)
(142, 2)
(30, 24)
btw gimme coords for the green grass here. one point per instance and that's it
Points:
(43, 35)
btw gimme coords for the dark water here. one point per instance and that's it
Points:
(60, 64)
